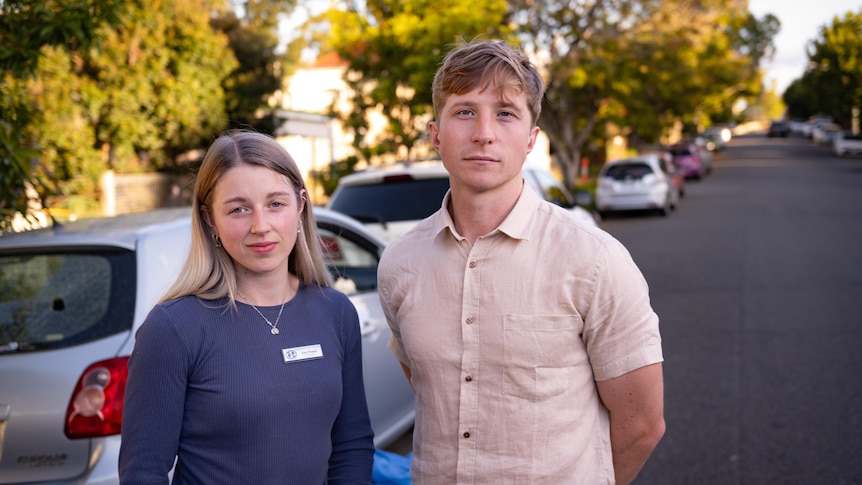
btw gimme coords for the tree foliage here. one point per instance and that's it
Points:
(643, 64)
(26, 27)
(639, 64)
(832, 85)
(152, 90)
(393, 48)
(254, 39)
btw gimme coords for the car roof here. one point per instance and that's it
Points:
(648, 158)
(121, 231)
(376, 174)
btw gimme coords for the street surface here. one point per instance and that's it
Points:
(757, 280)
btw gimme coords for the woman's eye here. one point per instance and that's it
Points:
(237, 210)
(277, 204)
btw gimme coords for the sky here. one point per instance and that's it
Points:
(800, 23)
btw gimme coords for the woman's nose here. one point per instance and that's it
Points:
(259, 222)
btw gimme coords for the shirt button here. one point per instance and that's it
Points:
(469, 320)
(466, 434)
(469, 378)
(472, 264)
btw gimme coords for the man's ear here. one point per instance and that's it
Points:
(531, 141)
(433, 134)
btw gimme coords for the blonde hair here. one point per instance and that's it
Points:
(488, 64)
(209, 271)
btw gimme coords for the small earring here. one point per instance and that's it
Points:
(299, 229)
(216, 240)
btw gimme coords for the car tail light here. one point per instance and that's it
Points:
(401, 177)
(96, 407)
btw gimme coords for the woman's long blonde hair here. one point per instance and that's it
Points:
(209, 272)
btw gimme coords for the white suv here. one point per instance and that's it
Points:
(391, 200)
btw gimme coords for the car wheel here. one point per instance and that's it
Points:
(665, 209)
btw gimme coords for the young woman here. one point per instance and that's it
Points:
(250, 368)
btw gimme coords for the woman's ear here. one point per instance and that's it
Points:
(205, 215)
(303, 199)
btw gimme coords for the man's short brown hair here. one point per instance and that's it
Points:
(489, 64)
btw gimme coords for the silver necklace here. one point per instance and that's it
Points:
(273, 327)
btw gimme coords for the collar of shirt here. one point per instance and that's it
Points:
(516, 225)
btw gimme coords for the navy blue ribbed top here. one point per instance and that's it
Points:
(210, 386)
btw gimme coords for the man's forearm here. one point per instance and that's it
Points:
(632, 445)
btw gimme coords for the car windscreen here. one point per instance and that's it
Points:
(51, 300)
(625, 171)
(401, 200)
(680, 152)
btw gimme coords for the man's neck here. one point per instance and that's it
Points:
(477, 214)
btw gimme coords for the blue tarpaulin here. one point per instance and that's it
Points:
(391, 468)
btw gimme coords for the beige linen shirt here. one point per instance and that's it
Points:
(505, 340)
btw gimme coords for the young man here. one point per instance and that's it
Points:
(528, 337)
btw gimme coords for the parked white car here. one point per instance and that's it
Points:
(847, 143)
(639, 183)
(72, 298)
(824, 133)
(391, 200)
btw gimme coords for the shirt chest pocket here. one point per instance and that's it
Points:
(541, 354)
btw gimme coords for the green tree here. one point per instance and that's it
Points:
(641, 65)
(254, 40)
(26, 27)
(836, 67)
(800, 97)
(688, 65)
(581, 50)
(393, 48)
(151, 91)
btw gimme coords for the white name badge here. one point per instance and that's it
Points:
(297, 354)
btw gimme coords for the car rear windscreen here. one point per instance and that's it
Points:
(628, 171)
(53, 300)
(402, 200)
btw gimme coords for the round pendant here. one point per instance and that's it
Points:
(274, 331)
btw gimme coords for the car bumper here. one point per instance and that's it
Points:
(621, 202)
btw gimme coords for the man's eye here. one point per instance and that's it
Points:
(465, 112)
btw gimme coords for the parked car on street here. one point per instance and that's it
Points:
(639, 183)
(391, 200)
(847, 143)
(720, 135)
(675, 173)
(689, 158)
(713, 141)
(72, 297)
(778, 128)
(824, 133)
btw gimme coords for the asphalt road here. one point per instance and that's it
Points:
(757, 280)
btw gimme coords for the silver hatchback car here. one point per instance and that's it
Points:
(71, 299)
(639, 183)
